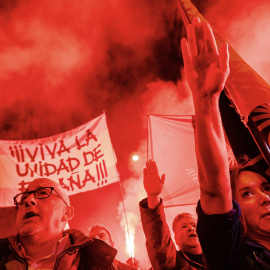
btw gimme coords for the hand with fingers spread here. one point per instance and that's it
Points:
(206, 71)
(153, 184)
(206, 68)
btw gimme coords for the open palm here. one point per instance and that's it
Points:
(153, 184)
(206, 68)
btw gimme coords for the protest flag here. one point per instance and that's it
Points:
(249, 95)
(80, 160)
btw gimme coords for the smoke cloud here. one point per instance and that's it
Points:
(63, 64)
(246, 25)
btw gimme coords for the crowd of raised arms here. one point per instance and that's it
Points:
(230, 231)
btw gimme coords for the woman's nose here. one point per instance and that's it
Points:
(264, 198)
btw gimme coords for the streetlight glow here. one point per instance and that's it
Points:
(135, 157)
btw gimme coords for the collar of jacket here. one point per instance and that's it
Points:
(184, 254)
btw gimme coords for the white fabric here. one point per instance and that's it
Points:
(81, 159)
(171, 145)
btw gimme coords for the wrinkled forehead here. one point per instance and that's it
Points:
(96, 231)
(187, 220)
(46, 182)
(250, 178)
(42, 182)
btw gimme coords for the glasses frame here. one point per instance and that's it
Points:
(34, 192)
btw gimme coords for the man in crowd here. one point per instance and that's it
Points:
(161, 249)
(99, 231)
(43, 211)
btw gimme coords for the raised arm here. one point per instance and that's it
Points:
(153, 184)
(160, 246)
(206, 71)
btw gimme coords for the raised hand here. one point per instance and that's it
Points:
(206, 71)
(206, 68)
(153, 184)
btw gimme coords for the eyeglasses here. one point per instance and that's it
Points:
(40, 193)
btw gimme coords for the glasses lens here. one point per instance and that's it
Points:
(23, 197)
(19, 199)
(43, 193)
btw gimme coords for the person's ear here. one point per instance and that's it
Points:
(112, 244)
(68, 213)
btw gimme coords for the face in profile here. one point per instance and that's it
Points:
(41, 217)
(101, 234)
(254, 193)
(185, 234)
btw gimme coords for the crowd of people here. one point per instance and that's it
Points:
(232, 227)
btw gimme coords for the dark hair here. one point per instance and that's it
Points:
(178, 217)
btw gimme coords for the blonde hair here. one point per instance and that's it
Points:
(243, 164)
(178, 217)
(100, 226)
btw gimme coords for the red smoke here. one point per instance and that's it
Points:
(62, 64)
(246, 25)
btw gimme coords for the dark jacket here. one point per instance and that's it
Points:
(160, 246)
(94, 253)
(223, 245)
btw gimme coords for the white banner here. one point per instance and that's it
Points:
(81, 159)
(171, 145)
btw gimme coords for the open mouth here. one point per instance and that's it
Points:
(30, 215)
(193, 235)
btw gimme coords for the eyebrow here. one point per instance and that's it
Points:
(38, 187)
(186, 223)
(263, 184)
(245, 188)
